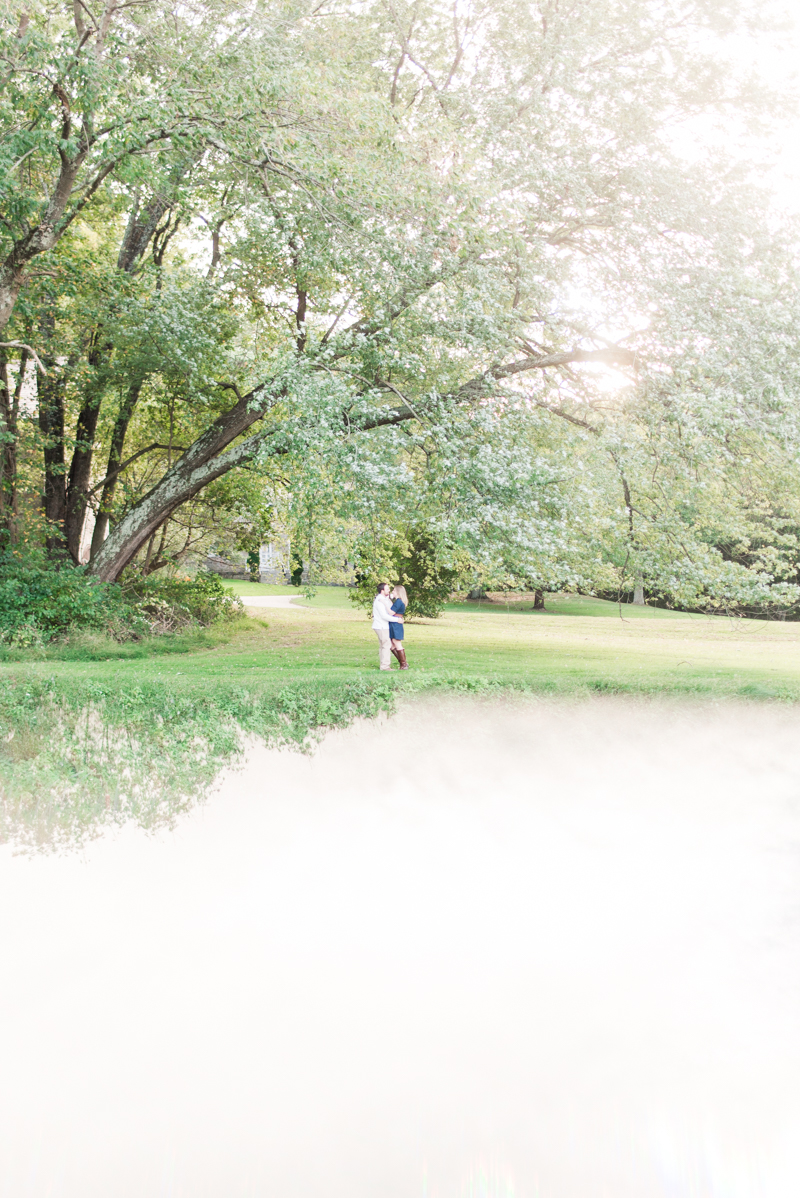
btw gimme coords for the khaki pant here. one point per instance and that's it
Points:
(384, 647)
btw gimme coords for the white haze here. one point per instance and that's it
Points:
(479, 950)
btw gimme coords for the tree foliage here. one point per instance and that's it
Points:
(357, 270)
(413, 559)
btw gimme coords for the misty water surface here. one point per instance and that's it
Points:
(538, 950)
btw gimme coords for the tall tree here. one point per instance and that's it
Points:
(87, 95)
(432, 226)
(509, 178)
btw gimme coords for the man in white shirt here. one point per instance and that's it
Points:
(381, 615)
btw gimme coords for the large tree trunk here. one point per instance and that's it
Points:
(51, 425)
(13, 271)
(118, 436)
(9, 428)
(142, 225)
(11, 282)
(202, 462)
(9, 514)
(80, 469)
(177, 486)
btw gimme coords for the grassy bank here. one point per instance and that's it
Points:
(92, 732)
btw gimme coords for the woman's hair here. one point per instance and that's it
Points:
(400, 591)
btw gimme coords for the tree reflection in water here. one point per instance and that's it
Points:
(78, 758)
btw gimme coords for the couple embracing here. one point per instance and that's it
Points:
(388, 609)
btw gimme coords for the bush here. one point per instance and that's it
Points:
(40, 601)
(415, 561)
(172, 604)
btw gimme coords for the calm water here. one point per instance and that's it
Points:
(476, 951)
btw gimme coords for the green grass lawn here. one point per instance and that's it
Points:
(573, 605)
(93, 731)
(574, 644)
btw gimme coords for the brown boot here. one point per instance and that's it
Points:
(396, 653)
(401, 657)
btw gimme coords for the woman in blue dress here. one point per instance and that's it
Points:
(399, 604)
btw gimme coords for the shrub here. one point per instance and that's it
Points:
(41, 600)
(170, 604)
(415, 561)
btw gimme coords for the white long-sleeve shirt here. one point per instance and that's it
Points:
(381, 612)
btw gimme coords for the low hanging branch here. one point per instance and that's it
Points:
(124, 465)
(29, 348)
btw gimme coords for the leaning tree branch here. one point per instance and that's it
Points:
(483, 384)
(139, 453)
(29, 348)
(215, 453)
(576, 420)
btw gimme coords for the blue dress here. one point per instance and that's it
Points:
(396, 630)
